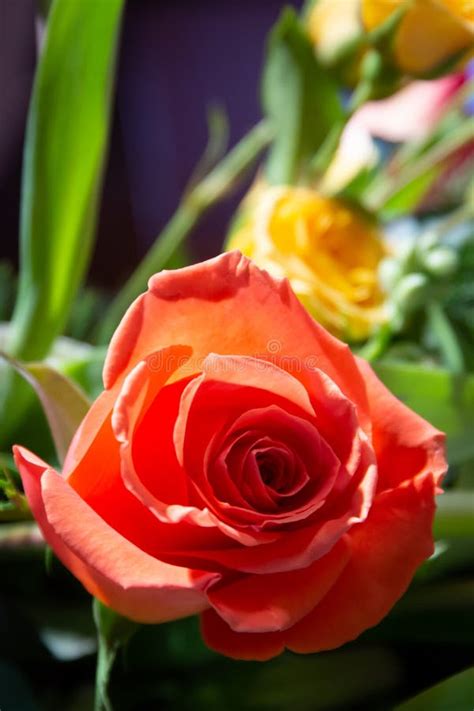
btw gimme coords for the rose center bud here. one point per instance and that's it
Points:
(270, 468)
(278, 472)
(270, 475)
(272, 463)
(255, 458)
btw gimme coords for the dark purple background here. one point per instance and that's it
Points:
(176, 59)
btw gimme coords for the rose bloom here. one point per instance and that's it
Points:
(241, 463)
(431, 33)
(329, 252)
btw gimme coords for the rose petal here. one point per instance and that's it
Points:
(140, 391)
(198, 305)
(386, 551)
(233, 382)
(239, 645)
(269, 603)
(404, 442)
(98, 480)
(207, 408)
(299, 435)
(109, 566)
(297, 548)
(84, 439)
(257, 373)
(138, 394)
(336, 420)
(152, 449)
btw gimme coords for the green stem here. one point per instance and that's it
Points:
(113, 631)
(417, 167)
(326, 152)
(105, 661)
(363, 92)
(208, 191)
(377, 344)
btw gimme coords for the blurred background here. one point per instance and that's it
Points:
(168, 77)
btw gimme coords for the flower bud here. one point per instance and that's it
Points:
(410, 292)
(426, 241)
(441, 262)
(390, 273)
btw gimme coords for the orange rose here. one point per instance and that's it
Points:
(243, 464)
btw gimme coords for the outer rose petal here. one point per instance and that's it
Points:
(137, 394)
(228, 306)
(240, 645)
(270, 603)
(387, 548)
(404, 442)
(110, 567)
(88, 430)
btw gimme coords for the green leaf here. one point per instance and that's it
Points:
(113, 631)
(7, 290)
(406, 198)
(66, 140)
(299, 97)
(441, 397)
(64, 404)
(453, 694)
(65, 147)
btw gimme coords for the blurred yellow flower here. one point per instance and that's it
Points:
(430, 33)
(332, 24)
(329, 252)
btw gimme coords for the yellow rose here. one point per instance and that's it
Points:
(332, 24)
(329, 252)
(430, 33)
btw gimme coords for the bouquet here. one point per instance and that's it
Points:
(259, 467)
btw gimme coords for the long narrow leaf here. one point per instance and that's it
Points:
(300, 99)
(65, 148)
(453, 694)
